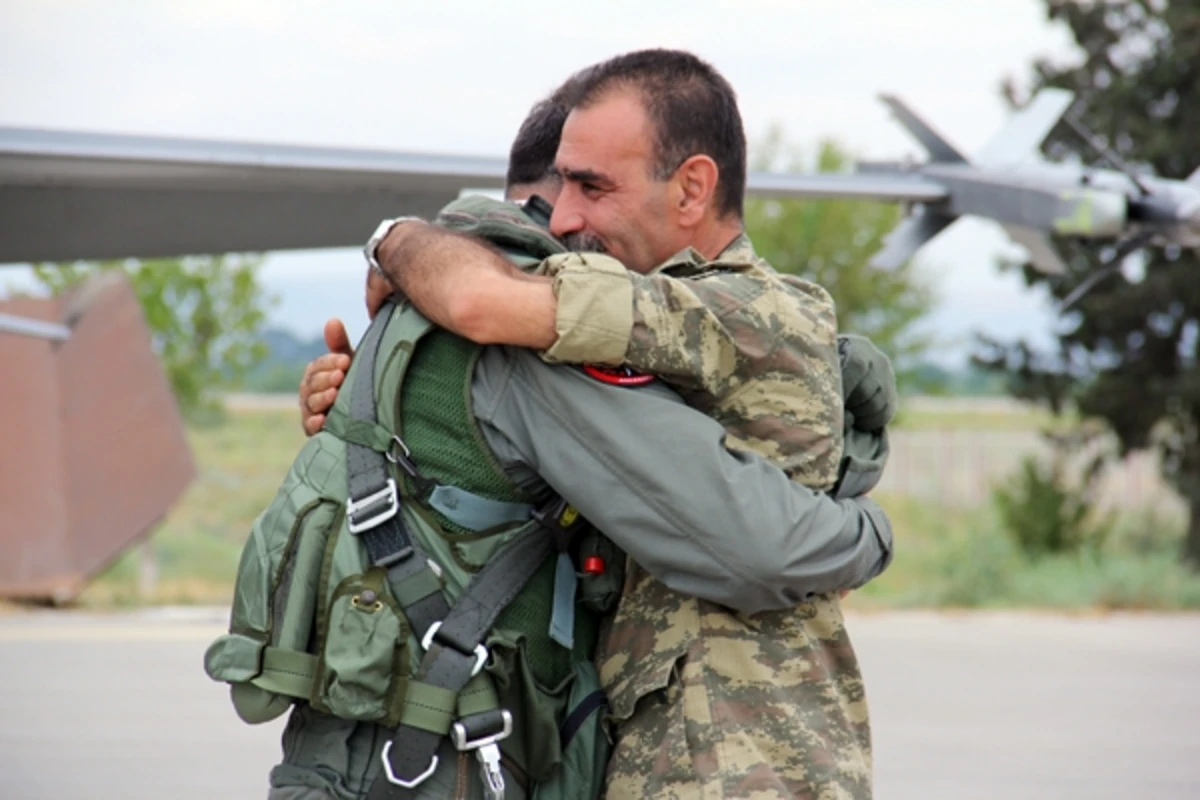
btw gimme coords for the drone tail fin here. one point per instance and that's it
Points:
(910, 236)
(1042, 254)
(1023, 134)
(941, 151)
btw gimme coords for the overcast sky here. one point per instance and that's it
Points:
(459, 77)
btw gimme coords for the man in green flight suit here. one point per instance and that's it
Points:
(827, 716)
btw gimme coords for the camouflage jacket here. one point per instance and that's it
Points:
(753, 349)
(732, 705)
(708, 702)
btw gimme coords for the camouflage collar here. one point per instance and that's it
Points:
(740, 250)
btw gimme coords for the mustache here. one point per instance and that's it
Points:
(582, 242)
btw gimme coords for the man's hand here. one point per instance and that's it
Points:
(868, 383)
(379, 289)
(466, 286)
(323, 376)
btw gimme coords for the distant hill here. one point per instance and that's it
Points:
(971, 381)
(287, 355)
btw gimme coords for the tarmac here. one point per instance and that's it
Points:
(979, 705)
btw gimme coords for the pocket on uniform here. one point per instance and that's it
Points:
(583, 739)
(652, 630)
(363, 655)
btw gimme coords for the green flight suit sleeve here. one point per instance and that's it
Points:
(654, 475)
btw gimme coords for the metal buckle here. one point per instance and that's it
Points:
(417, 781)
(387, 493)
(459, 734)
(481, 652)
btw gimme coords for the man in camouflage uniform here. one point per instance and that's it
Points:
(767, 703)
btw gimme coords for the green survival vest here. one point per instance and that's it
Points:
(400, 578)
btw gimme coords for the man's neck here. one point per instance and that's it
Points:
(717, 237)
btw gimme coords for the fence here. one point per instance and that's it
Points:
(959, 467)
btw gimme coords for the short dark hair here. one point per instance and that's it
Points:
(531, 157)
(692, 107)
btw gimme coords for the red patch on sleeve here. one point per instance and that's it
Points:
(617, 376)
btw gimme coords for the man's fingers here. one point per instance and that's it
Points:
(336, 338)
(330, 362)
(320, 402)
(313, 423)
(379, 289)
(325, 380)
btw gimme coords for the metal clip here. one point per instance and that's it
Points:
(489, 767)
(403, 459)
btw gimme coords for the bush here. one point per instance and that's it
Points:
(967, 558)
(1044, 515)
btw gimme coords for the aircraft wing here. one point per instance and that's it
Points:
(67, 196)
(890, 188)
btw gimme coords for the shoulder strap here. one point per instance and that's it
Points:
(373, 502)
(453, 637)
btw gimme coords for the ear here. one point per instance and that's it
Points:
(697, 182)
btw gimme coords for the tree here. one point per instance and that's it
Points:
(830, 242)
(205, 315)
(1126, 353)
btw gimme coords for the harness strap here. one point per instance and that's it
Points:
(471, 511)
(374, 508)
(453, 656)
(454, 653)
(288, 672)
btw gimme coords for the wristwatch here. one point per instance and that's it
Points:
(378, 236)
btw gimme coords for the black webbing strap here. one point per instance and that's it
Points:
(374, 508)
(452, 637)
(454, 653)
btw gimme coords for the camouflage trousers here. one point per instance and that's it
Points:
(729, 725)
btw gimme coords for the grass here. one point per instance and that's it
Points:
(1023, 420)
(956, 558)
(945, 557)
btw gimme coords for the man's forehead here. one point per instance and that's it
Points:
(603, 134)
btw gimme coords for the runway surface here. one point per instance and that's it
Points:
(964, 706)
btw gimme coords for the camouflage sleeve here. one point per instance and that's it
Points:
(684, 330)
(759, 351)
(655, 476)
(595, 308)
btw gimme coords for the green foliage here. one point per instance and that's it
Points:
(829, 242)
(275, 378)
(945, 556)
(205, 316)
(958, 558)
(1127, 353)
(1044, 514)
